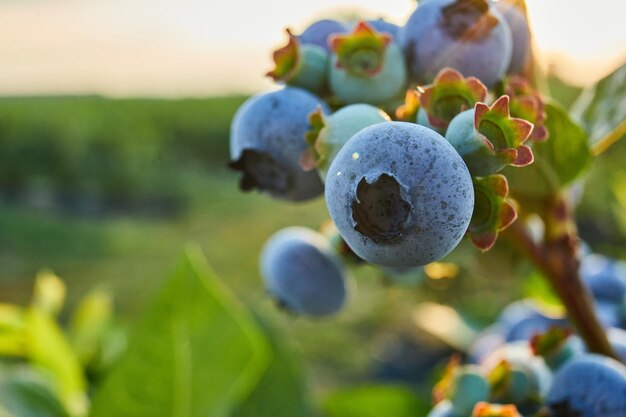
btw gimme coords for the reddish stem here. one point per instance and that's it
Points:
(558, 259)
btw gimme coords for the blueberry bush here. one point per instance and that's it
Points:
(439, 153)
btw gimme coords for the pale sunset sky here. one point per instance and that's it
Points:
(209, 47)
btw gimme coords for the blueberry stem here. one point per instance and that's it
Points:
(557, 257)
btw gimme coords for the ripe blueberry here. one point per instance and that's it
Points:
(302, 273)
(267, 139)
(318, 32)
(399, 194)
(589, 385)
(467, 35)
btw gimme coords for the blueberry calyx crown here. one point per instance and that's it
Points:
(483, 409)
(262, 172)
(379, 211)
(445, 383)
(316, 152)
(286, 59)
(407, 112)
(493, 211)
(361, 52)
(503, 135)
(468, 20)
(450, 94)
(526, 103)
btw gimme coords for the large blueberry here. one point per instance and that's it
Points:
(589, 386)
(399, 194)
(302, 273)
(468, 35)
(267, 140)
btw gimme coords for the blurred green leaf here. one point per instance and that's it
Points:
(24, 394)
(12, 338)
(566, 150)
(49, 350)
(49, 293)
(281, 391)
(89, 324)
(375, 401)
(602, 108)
(558, 161)
(197, 352)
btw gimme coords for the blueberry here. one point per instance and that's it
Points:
(399, 194)
(589, 386)
(330, 133)
(318, 32)
(605, 277)
(529, 326)
(469, 386)
(267, 139)
(617, 338)
(488, 340)
(467, 35)
(366, 67)
(302, 273)
(520, 35)
(517, 311)
(521, 358)
(301, 65)
(383, 26)
(488, 138)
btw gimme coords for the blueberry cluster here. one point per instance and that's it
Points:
(397, 127)
(530, 359)
(406, 130)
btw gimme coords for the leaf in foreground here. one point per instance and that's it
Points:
(196, 352)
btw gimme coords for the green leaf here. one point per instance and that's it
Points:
(197, 352)
(89, 324)
(25, 394)
(281, 391)
(49, 350)
(602, 107)
(558, 161)
(49, 292)
(12, 339)
(375, 401)
(567, 150)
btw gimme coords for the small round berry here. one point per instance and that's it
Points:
(302, 273)
(267, 139)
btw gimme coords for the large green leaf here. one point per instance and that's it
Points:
(24, 394)
(375, 401)
(602, 107)
(558, 161)
(196, 353)
(281, 391)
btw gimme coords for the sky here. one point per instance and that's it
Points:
(209, 47)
